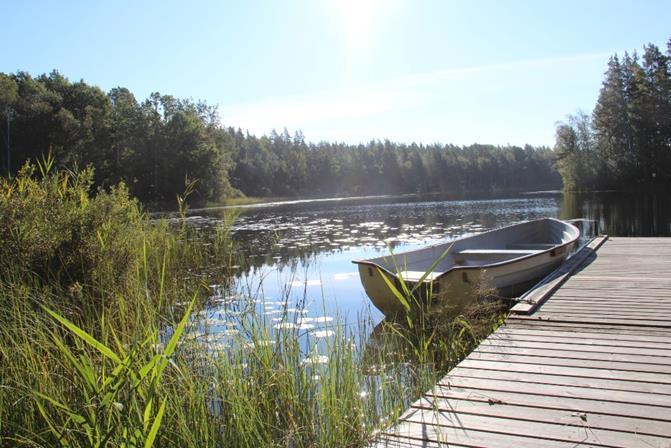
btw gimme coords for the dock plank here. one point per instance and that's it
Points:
(562, 380)
(463, 402)
(418, 419)
(585, 362)
(498, 394)
(575, 359)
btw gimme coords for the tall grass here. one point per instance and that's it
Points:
(98, 309)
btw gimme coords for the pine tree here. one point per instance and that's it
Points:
(611, 122)
(657, 115)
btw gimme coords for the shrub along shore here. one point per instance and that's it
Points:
(98, 311)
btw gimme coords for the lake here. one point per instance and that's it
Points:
(299, 253)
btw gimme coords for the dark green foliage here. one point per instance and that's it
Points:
(153, 146)
(282, 166)
(55, 230)
(51, 227)
(627, 143)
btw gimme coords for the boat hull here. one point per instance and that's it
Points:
(460, 285)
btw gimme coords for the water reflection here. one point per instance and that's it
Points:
(280, 235)
(295, 259)
(622, 214)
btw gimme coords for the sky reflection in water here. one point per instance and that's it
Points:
(302, 253)
(299, 255)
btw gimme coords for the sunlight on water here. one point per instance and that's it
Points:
(297, 257)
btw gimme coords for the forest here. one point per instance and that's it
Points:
(159, 145)
(626, 142)
(156, 145)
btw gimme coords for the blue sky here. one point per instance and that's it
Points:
(501, 72)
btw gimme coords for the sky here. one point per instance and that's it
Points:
(426, 71)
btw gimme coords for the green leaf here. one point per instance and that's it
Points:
(84, 370)
(154, 427)
(84, 336)
(147, 414)
(149, 366)
(172, 344)
(79, 419)
(61, 437)
(54, 402)
(404, 286)
(403, 301)
(118, 343)
(432, 267)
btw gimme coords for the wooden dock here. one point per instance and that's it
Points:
(586, 363)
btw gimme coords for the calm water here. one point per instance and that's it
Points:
(300, 253)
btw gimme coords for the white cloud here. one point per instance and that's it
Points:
(529, 64)
(300, 111)
(345, 111)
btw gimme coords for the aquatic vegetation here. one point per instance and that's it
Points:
(153, 346)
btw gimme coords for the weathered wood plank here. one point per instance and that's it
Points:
(446, 437)
(560, 380)
(508, 351)
(631, 363)
(419, 421)
(613, 299)
(600, 304)
(619, 317)
(617, 313)
(585, 347)
(583, 372)
(623, 397)
(582, 281)
(605, 328)
(641, 296)
(608, 303)
(391, 441)
(614, 281)
(575, 333)
(498, 394)
(589, 366)
(503, 335)
(557, 317)
(463, 403)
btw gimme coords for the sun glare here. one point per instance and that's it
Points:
(359, 19)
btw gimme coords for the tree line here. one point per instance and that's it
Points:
(626, 142)
(152, 145)
(282, 165)
(155, 145)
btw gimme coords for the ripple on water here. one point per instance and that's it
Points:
(322, 319)
(316, 359)
(322, 333)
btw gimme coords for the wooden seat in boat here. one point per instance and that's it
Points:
(532, 246)
(498, 251)
(496, 254)
(414, 276)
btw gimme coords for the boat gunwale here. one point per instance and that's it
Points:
(484, 266)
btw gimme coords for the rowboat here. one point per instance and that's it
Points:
(504, 262)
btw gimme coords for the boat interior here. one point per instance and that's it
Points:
(495, 246)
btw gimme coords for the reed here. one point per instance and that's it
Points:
(101, 343)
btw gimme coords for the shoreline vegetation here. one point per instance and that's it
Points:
(102, 340)
(159, 145)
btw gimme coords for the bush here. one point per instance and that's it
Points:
(52, 228)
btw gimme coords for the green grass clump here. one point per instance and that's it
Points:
(101, 344)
